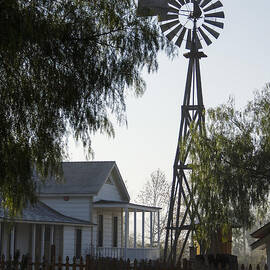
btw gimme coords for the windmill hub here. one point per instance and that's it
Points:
(197, 12)
(188, 14)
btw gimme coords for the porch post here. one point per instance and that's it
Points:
(135, 228)
(51, 243)
(122, 231)
(126, 231)
(268, 254)
(51, 235)
(143, 229)
(12, 242)
(33, 242)
(42, 241)
(151, 229)
(158, 228)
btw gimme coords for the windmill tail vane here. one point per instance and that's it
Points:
(194, 23)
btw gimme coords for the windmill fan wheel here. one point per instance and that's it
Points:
(185, 16)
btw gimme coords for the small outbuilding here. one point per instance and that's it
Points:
(263, 240)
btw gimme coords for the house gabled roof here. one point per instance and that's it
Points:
(81, 178)
(40, 213)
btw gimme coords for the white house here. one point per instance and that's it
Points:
(89, 213)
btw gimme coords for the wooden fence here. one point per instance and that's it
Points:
(91, 263)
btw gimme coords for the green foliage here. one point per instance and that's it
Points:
(65, 67)
(231, 164)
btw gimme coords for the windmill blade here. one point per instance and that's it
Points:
(215, 15)
(218, 4)
(173, 10)
(204, 3)
(166, 26)
(182, 2)
(168, 17)
(181, 37)
(198, 43)
(205, 37)
(175, 3)
(189, 40)
(211, 31)
(217, 24)
(174, 32)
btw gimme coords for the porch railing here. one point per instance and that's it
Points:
(129, 253)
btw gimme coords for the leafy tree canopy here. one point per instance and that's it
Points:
(231, 164)
(64, 68)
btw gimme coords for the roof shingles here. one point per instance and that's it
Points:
(41, 213)
(79, 178)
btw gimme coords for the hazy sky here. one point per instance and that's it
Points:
(238, 63)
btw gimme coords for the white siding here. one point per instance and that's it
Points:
(58, 241)
(107, 226)
(108, 192)
(77, 207)
(86, 240)
(5, 239)
(23, 238)
(68, 242)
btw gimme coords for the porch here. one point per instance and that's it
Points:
(38, 229)
(139, 231)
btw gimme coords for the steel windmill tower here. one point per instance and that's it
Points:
(192, 23)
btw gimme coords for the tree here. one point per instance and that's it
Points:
(231, 164)
(65, 67)
(156, 192)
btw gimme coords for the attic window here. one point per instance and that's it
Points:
(109, 181)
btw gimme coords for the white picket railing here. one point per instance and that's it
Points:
(131, 253)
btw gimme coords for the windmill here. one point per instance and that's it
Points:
(194, 24)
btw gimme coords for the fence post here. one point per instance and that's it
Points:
(250, 267)
(258, 267)
(81, 263)
(44, 264)
(265, 267)
(59, 262)
(135, 264)
(87, 262)
(29, 263)
(67, 263)
(74, 263)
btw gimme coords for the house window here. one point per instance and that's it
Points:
(115, 231)
(78, 243)
(100, 230)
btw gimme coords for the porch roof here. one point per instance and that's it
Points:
(262, 231)
(119, 204)
(40, 213)
(263, 236)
